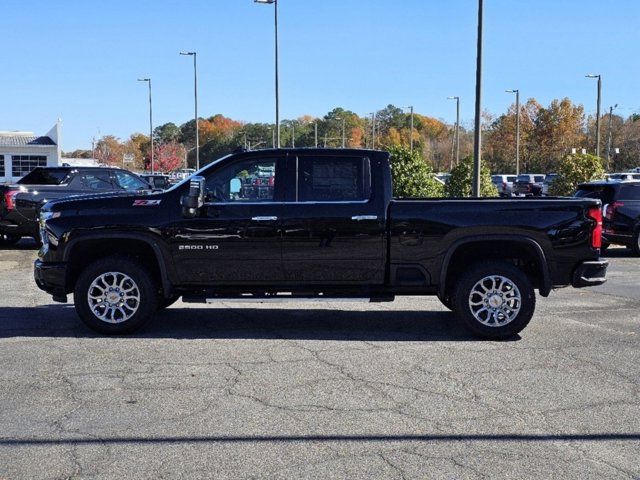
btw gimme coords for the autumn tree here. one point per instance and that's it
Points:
(169, 157)
(109, 151)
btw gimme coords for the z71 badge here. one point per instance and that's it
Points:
(146, 203)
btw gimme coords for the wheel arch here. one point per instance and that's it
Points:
(86, 249)
(496, 247)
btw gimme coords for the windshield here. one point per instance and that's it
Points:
(46, 176)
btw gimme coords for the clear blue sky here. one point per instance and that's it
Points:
(79, 60)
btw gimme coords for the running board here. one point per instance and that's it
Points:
(284, 297)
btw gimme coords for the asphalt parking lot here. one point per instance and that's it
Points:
(351, 390)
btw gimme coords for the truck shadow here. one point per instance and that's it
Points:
(61, 321)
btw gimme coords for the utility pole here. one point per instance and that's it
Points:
(195, 94)
(517, 92)
(344, 132)
(457, 130)
(477, 134)
(599, 77)
(293, 135)
(315, 129)
(611, 109)
(148, 80)
(411, 129)
(373, 131)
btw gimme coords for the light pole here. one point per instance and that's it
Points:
(148, 80)
(373, 130)
(275, 5)
(457, 130)
(315, 128)
(343, 129)
(611, 109)
(517, 92)
(477, 134)
(410, 107)
(293, 135)
(195, 98)
(599, 77)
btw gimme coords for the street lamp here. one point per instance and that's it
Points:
(195, 97)
(517, 92)
(275, 4)
(373, 130)
(599, 77)
(477, 134)
(611, 109)
(457, 131)
(410, 107)
(148, 80)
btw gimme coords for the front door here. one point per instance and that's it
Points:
(236, 236)
(333, 228)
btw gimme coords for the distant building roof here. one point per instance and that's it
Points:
(23, 139)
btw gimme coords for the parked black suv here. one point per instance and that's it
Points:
(313, 223)
(20, 203)
(621, 207)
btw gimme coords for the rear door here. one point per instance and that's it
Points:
(333, 226)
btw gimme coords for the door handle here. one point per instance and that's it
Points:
(364, 217)
(264, 219)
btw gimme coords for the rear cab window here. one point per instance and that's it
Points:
(629, 192)
(333, 179)
(46, 176)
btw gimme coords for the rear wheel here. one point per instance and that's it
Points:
(635, 246)
(115, 295)
(494, 299)
(6, 240)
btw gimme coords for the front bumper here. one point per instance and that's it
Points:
(590, 274)
(51, 277)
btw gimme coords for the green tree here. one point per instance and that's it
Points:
(169, 132)
(575, 169)
(412, 177)
(459, 184)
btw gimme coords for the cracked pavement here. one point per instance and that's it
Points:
(319, 390)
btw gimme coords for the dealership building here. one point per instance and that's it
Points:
(21, 152)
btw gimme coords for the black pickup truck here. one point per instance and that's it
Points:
(20, 203)
(313, 223)
(621, 209)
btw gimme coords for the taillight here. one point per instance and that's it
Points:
(611, 209)
(504, 186)
(596, 234)
(9, 199)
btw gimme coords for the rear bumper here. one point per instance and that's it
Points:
(50, 277)
(590, 274)
(12, 224)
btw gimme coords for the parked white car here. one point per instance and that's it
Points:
(504, 184)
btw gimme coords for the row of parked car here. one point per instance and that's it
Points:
(524, 185)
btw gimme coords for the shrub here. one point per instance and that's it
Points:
(459, 184)
(412, 177)
(575, 169)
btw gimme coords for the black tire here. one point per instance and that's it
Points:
(8, 240)
(167, 302)
(635, 246)
(147, 296)
(462, 294)
(446, 301)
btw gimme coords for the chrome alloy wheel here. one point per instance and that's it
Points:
(113, 297)
(495, 301)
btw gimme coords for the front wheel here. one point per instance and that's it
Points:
(7, 240)
(115, 295)
(494, 299)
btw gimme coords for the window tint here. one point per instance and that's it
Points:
(630, 192)
(524, 179)
(46, 176)
(97, 181)
(333, 179)
(511, 178)
(538, 178)
(250, 180)
(129, 182)
(601, 192)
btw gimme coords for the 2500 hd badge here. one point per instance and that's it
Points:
(197, 247)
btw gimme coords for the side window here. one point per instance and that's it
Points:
(538, 179)
(96, 181)
(129, 182)
(333, 179)
(249, 180)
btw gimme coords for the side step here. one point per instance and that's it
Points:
(282, 297)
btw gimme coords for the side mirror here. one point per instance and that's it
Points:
(194, 200)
